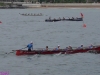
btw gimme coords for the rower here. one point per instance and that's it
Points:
(49, 18)
(70, 48)
(25, 14)
(63, 18)
(31, 14)
(67, 48)
(30, 46)
(91, 46)
(69, 18)
(40, 13)
(72, 17)
(57, 47)
(34, 14)
(59, 18)
(47, 48)
(81, 47)
(54, 19)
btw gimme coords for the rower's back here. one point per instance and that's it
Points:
(47, 48)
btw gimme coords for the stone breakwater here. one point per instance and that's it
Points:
(66, 5)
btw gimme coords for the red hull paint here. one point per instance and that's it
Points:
(62, 51)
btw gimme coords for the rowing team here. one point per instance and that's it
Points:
(56, 19)
(32, 14)
(63, 18)
(70, 47)
(30, 47)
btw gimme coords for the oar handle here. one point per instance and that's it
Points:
(13, 50)
(22, 48)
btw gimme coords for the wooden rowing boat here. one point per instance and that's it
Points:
(62, 51)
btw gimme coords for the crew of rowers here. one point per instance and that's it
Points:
(30, 47)
(32, 14)
(63, 18)
(56, 19)
(70, 48)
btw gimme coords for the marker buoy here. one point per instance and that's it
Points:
(0, 22)
(84, 25)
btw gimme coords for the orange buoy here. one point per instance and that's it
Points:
(84, 25)
(0, 22)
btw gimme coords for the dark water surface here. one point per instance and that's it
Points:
(16, 31)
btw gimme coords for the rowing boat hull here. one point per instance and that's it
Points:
(47, 20)
(62, 51)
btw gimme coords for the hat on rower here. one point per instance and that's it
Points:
(58, 45)
(31, 41)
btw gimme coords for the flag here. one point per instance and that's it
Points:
(81, 15)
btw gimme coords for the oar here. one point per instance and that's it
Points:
(20, 49)
(15, 50)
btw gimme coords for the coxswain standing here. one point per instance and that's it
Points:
(30, 46)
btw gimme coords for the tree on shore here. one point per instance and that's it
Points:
(53, 1)
(66, 1)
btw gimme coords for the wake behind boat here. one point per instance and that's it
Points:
(62, 51)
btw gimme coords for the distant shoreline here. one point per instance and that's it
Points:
(72, 5)
(55, 5)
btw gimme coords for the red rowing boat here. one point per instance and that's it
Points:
(62, 51)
